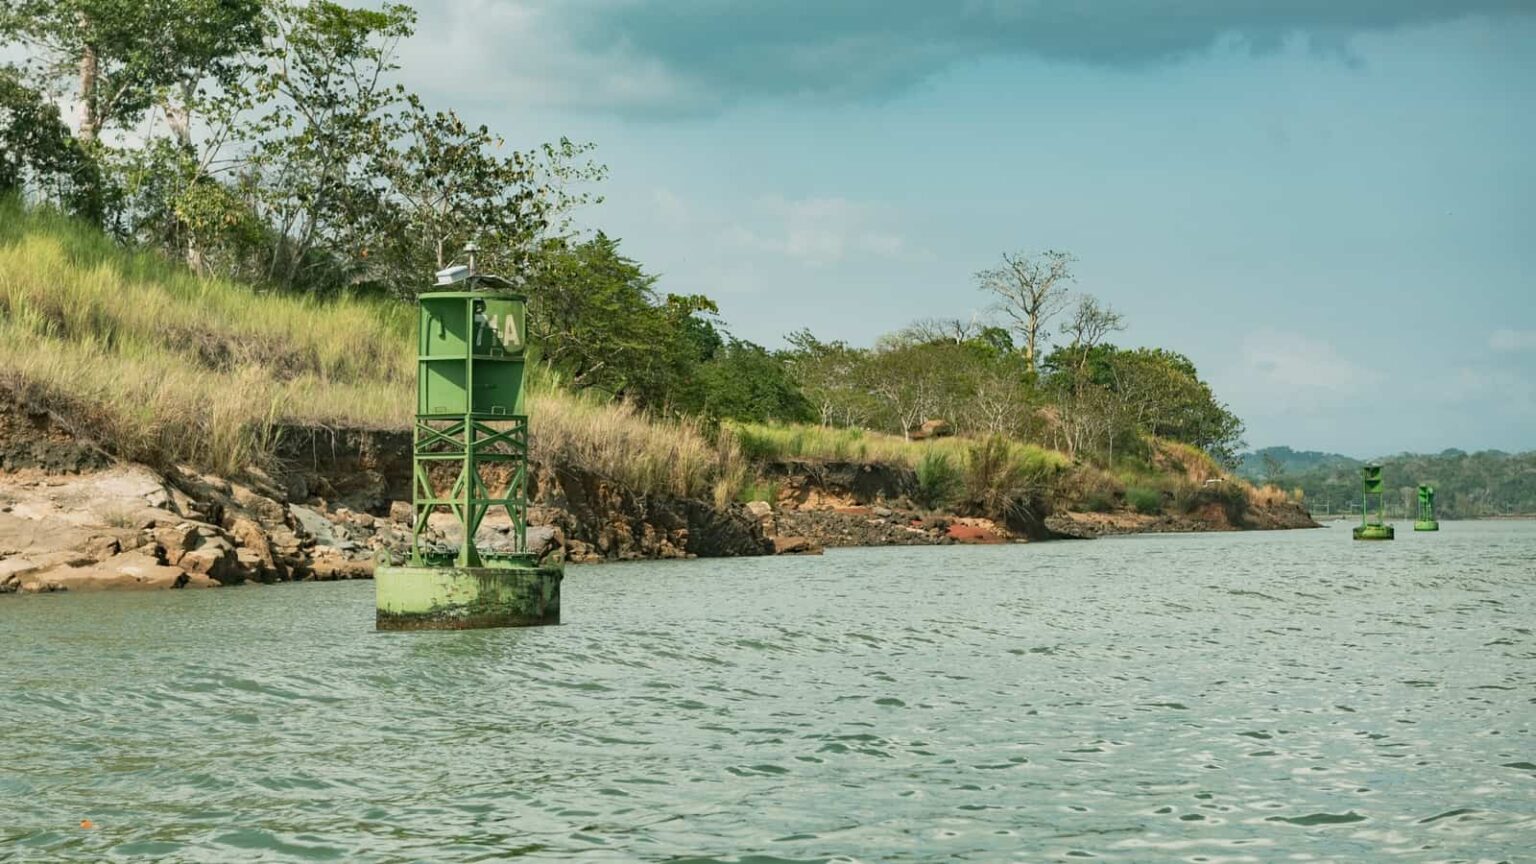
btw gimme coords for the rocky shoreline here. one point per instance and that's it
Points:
(72, 518)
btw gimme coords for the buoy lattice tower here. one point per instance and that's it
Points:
(1426, 520)
(469, 457)
(1373, 524)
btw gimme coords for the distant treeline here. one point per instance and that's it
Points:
(1467, 485)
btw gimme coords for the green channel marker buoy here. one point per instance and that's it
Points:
(1372, 524)
(1426, 520)
(469, 456)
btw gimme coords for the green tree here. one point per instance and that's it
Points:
(321, 115)
(830, 374)
(744, 381)
(911, 383)
(1166, 397)
(125, 56)
(599, 321)
(1030, 291)
(39, 158)
(448, 185)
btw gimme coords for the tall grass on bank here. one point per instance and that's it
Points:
(992, 473)
(164, 367)
(643, 453)
(67, 281)
(775, 442)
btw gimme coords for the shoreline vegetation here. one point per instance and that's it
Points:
(201, 303)
(166, 367)
(199, 387)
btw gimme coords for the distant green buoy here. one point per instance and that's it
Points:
(1426, 520)
(1372, 524)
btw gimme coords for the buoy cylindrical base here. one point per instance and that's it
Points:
(1426, 525)
(465, 598)
(1374, 532)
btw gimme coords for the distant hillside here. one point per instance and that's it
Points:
(1467, 485)
(1259, 464)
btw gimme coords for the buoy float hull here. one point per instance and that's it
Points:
(1374, 532)
(467, 598)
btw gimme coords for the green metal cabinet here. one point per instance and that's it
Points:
(471, 342)
(470, 411)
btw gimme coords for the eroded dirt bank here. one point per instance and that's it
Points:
(73, 518)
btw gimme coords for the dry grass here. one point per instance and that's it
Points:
(1193, 464)
(772, 442)
(163, 367)
(643, 453)
(1267, 495)
(990, 473)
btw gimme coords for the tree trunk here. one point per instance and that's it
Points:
(90, 81)
(179, 117)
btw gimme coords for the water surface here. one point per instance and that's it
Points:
(1203, 698)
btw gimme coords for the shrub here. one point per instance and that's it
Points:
(764, 442)
(1144, 500)
(759, 489)
(938, 481)
(1099, 502)
(992, 477)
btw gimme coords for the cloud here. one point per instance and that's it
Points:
(1475, 384)
(1292, 373)
(671, 57)
(1512, 340)
(818, 232)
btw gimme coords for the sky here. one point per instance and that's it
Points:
(1329, 205)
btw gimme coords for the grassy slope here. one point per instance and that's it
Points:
(166, 368)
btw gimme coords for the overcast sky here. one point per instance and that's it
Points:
(1329, 205)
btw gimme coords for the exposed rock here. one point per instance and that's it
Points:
(401, 512)
(129, 570)
(325, 518)
(102, 547)
(854, 527)
(795, 546)
(315, 525)
(933, 429)
(265, 510)
(218, 562)
(545, 540)
(806, 485)
(762, 511)
(329, 566)
(974, 531)
(601, 520)
(254, 550)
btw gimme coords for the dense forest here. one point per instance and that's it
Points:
(1467, 485)
(268, 143)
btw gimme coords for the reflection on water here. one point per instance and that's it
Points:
(1253, 697)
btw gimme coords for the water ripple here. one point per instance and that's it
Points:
(1251, 697)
